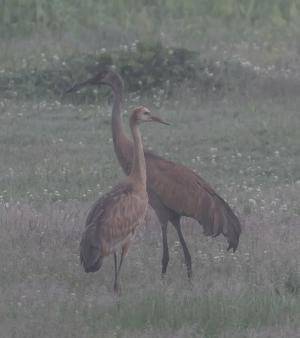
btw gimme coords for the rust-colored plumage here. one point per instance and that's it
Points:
(112, 221)
(174, 190)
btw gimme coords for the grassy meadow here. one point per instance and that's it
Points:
(56, 158)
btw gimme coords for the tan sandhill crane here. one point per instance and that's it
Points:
(112, 221)
(173, 189)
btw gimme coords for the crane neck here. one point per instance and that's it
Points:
(122, 143)
(138, 169)
(117, 125)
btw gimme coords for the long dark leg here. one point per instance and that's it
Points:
(117, 288)
(123, 254)
(187, 256)
(163, 215)
(165, 256)
(116, 283)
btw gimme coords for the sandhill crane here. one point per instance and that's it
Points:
(112, 220)
(173, 189)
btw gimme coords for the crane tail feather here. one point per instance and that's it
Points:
(218, 218)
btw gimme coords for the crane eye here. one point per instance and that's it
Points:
(146, 113)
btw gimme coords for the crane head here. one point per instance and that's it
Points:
(106, 76)
(143, 114)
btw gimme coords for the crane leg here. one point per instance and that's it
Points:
(116, 282)
(117, 288)
(163, 215)
(123, 254)
(187, 256)
(165, 256)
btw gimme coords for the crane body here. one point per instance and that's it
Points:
(173, 189)
(113, 219)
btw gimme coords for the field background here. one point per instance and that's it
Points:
(56, 158)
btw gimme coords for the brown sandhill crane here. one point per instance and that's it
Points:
(112, 221)
(173, 189)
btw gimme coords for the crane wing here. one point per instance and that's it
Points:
(105, 203)
(182, 190)
(113, 218)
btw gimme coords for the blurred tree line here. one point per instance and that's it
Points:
(19, 17)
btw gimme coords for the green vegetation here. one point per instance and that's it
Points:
(29, 28)
(147, 68)
(145, 18)
(144, 67)
(225, 74)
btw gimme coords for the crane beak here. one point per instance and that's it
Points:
(158, 119)
(92, 81)
(76, 87)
